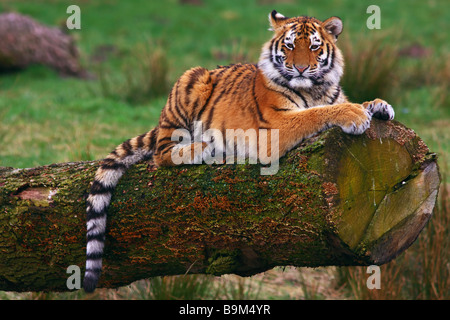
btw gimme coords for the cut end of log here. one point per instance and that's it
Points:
(410, 218)
(388, 183)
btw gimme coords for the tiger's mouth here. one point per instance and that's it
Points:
(303, 75)
(300, 75)
(301, 69)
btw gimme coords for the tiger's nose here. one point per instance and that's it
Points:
(301, 68)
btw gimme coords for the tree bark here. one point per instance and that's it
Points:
(25, 42)
(336, 200)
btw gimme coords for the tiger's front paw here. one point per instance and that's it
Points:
(353, 118)
(380, 109)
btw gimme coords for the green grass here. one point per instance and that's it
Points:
(45, 119)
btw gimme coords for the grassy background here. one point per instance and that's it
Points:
(137, 49)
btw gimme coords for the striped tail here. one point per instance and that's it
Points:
(106, 178)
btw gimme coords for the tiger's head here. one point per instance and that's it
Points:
(302, 52)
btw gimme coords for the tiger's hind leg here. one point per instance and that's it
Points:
(187, 99)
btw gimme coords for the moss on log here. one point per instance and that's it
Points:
(336, 200)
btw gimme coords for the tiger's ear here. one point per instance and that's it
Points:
(276, 20)
(333, 26)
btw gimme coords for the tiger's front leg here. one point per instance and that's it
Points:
(296, 126)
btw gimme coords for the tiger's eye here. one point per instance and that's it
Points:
(290, 46)
(314, 47)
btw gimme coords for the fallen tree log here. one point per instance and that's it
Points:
(336, 200)
(26, 42)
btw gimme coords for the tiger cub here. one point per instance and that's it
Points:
(294, 88)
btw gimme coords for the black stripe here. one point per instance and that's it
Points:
(188, 92)
(176, 114)
(222, 70)
(224, 138)
(261, 118)
(169, 101)
(206, 103)
(293, 91)
(98, 188)
(213, 104)
(169, 124)
(193, 78)
(274, 43)
(328, 55)
(336, 95)
(98, 237)
(166, 150)
(318, 81)
(164, 139)
(332, 59)
(171, 105)
(94, 256)
(140, 140)
(163, 146)
(280, 109)
(188, 88)
(194, 107)
(300, 95)
(126, 146)
(247, 73)
(283, 94)
(92, 214)
(177, 106)
(111, 164)
(153, 135)
(235, 83)
(210, 116)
